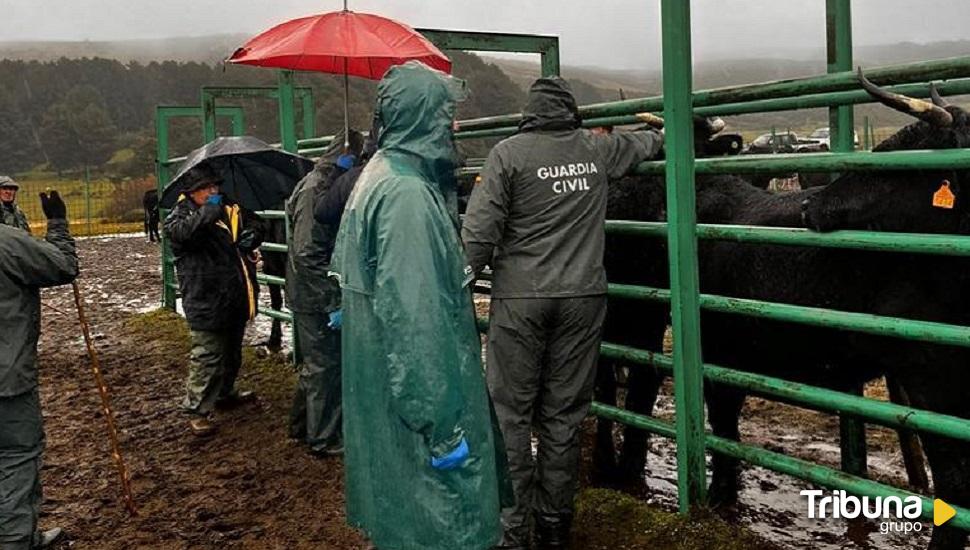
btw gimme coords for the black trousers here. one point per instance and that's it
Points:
(541, 368)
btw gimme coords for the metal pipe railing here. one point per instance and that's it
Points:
(883, 413)
(801, 469)
(868, 323)
(915, 243)
(942, 69)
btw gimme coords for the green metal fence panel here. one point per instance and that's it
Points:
(812, 101)
(263, 278)
(685, 312)
(883, 413)
(801, 469)
(943, 69)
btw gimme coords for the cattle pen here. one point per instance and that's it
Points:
(836, 90)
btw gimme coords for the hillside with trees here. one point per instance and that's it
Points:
(68, 114)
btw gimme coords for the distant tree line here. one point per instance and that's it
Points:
(75, 113)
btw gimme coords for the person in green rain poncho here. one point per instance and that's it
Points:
(425, 465)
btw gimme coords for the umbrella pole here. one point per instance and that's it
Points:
(346, 108)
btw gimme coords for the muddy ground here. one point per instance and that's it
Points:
(251, 487)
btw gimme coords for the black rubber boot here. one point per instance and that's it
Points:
(552, 532)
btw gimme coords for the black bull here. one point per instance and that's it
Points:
(924, 287)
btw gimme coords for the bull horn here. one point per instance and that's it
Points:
(923, 110)
(651, 119)
(935, 96)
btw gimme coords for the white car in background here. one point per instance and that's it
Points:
(821, 135)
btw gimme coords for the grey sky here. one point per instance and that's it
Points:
(610, 33)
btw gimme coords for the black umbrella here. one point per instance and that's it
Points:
(254, 174)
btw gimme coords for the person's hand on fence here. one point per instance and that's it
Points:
(53, 206)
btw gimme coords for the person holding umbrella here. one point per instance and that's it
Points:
(423, 466)
(217, 284)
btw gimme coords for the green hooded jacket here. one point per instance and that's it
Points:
(537, 216)
(412, 375)
(28, 264)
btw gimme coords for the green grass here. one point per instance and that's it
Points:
(609, 520)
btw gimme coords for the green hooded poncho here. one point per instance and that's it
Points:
(412, 376)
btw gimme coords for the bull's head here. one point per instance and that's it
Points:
(909, 200)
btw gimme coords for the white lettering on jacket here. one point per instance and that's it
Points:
(574, 171)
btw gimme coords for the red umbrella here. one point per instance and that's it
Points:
(343, 42)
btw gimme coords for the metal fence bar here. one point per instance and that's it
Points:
(812, 101)
(883, 413)
(923, 71)
(275, 314)
(913, 243)
(270, 279)
(810, 162)
(801, 469)
(879, 325)
(825, 162)
(682, 247)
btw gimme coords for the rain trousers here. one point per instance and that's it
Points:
(537, 218)
(412, 375)
(26, 265)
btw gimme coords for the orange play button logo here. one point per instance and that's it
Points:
(942, 512)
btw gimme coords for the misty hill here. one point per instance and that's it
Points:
(199, 49)
(67, 104)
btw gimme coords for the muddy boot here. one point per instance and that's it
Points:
(235, 399)
(201, 426)
(552, 532)
(47, 539)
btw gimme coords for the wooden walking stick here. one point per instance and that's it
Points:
(105, 406)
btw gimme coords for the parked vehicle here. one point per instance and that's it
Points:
(822, 136)
(785, 142)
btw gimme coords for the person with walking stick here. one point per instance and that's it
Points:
(27, 264)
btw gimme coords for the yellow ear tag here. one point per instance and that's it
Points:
(944, 198)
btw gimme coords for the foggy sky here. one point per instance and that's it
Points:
(610, 33)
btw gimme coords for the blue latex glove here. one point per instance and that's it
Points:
(336, 319)
(214, 199)
(452, 460)
(346, 161)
